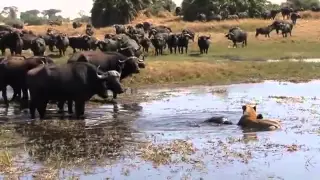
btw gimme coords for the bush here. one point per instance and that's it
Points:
(11, 22)
(35, 21)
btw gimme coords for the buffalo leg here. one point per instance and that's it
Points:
(187, 50)
(16, 93)
(79, 107)
(70, 103)
(51, 48)
(175, 50)
(114, 95)
(60, 106)
(41, 107)
(12, 52)
(32, 108)
(234, 44)
(25, 98)
(4, 96)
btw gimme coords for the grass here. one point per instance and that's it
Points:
(239, 65)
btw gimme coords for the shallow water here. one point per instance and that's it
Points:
(221, 151)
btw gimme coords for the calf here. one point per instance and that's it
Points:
(264, 30)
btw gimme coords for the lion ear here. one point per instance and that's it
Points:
(244, 107)
(255, 108)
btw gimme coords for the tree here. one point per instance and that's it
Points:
(191, 8)
(33, 12)
(31, 17)
(83, 17)
(10, 11)
(51, 13)
(304, 4)
(108, 12)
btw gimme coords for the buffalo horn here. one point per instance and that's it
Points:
(188, 35)
(43, 62)
(124, 48)
(100, 76)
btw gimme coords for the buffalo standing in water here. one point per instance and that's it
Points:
(77, 81)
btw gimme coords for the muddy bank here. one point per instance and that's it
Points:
(167, 137)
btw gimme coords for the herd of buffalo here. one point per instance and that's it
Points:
(88, 71)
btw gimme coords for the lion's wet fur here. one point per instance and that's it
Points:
(249, 120)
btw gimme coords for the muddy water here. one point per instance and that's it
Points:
(112, 139)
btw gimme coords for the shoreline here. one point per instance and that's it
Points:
(188, 73)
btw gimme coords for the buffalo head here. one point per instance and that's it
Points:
(112, 81)
(131, 65)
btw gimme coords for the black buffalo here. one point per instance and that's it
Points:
(183, 42)
(120, 29)
(264, 30)
(286, 11)
(188, 31)
(159, 41)
(159, 29)
(108, 44)
(80, 42)
(237, 35)
(62, 43)
(76, 25)
(17, 25)
(126, 66)
(285, 29)
(173, 42)
(50, 40)
(145, 43)
(13, 73)
(277, 24)
(204, 44)
(13, 41)
(76, 82)
(294, 16)
(233, 17)
(201, 17)
(110, 61)
(36, 43)
(270, 14)
(178, 11)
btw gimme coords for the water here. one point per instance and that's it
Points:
(110, 139)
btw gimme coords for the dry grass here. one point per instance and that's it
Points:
(309, 21)
(175, 72)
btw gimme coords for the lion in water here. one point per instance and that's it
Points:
(249, 120)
